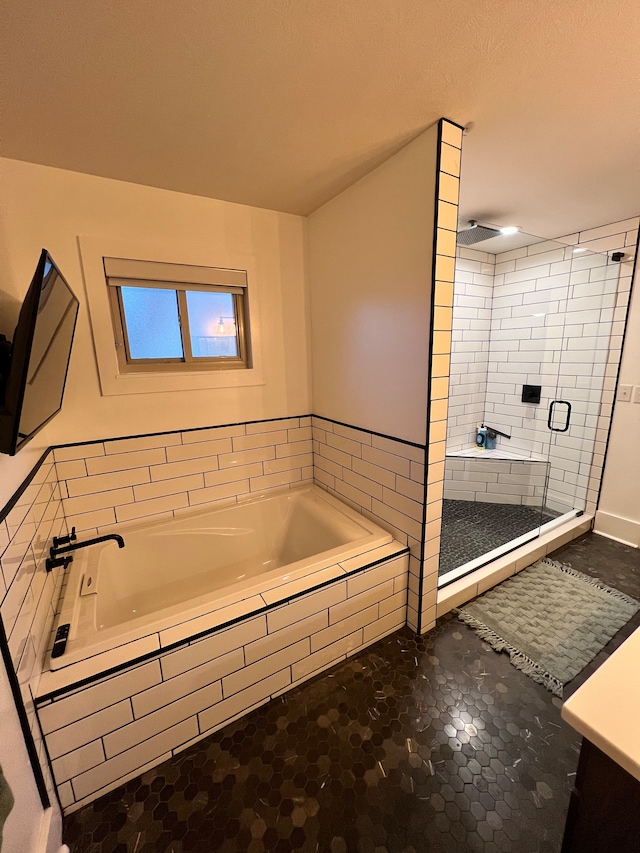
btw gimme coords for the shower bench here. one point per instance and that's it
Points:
(495, 476)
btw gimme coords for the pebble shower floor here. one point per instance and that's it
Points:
(417, 745)
(471, 529)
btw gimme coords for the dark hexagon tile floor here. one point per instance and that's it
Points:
(417, 745)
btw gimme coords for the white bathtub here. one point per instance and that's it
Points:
(176, 579)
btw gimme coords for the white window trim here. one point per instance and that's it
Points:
(181, 280)
(92, 252)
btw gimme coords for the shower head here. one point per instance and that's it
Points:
(475, 234)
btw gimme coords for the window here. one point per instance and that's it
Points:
(175, 317)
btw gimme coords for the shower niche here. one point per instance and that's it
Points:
(535, 345)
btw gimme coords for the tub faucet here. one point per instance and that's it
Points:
(54, 560)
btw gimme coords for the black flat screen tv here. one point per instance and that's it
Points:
(33, 367)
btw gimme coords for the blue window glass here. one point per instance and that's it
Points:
(212, 324)
(153, 324)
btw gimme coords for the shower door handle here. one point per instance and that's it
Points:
(550, 418)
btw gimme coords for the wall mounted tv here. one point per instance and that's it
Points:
(33, 367)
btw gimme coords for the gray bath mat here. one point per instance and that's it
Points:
(551, 620)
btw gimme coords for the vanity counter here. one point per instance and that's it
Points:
(603, 814)
(605, 709)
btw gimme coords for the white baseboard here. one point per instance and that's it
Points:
(42, 844)
(624, 530)
(50, 837)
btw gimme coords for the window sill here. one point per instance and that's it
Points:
(154, 383)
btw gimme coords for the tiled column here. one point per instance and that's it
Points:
(446, 225)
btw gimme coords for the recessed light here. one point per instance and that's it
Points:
(509, 229)
(575, 251)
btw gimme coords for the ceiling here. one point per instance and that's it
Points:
(284, 103)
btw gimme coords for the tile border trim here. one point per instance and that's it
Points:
(176, 431)
(368, 431)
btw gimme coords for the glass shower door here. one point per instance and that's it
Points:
(531, 336)
(495, 498)
(582, 368)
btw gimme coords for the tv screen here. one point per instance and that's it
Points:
(36, 367)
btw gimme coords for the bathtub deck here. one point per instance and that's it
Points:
(195, 627)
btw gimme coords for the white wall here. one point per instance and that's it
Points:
(48, 207)
(619, 508)
(370, 255)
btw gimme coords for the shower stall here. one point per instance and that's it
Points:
(534, 321)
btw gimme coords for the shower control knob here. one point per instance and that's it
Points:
(64, 540)
(60, 641)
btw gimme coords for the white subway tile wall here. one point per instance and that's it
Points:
(555, 316)
(380, 477)
(106, 732)
(102, 483)
(28, 593)
(559, 325)
(471, 332)
(108, 482)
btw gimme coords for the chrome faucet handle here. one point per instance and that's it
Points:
(64, 540)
